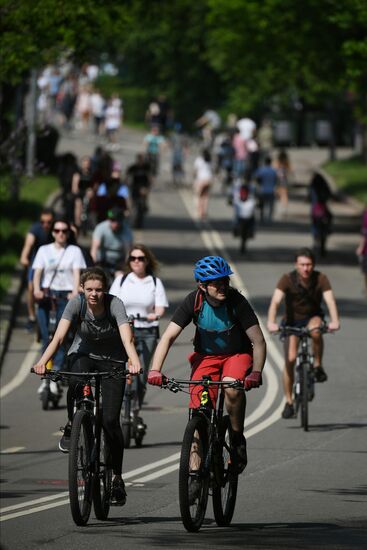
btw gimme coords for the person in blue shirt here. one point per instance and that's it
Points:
(267, 179)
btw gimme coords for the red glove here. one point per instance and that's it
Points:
(155, 378)
(253, 380)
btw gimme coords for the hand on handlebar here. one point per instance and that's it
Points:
(155, 378)
(39, 368)
(253, 380)
(272, 327)
(333, 326)
(134, 368)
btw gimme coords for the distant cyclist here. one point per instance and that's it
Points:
(143, 295)
(38, 234)
(228, 343)
(303, 290)
(110, 240)
(103, 337)
(56, 280)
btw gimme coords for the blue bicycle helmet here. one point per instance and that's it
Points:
(211, 268)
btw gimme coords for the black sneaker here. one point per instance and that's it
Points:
(319, 374)
(118, 493)
(241, 454)
(64, 443)
(288, 411)
(194, 489)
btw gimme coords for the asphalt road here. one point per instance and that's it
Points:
(300, 490)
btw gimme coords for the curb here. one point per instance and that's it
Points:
(9, 306)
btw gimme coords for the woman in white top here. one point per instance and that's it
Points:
(202, 183)
(143, 296)
(56, 279)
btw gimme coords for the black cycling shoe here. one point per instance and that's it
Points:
(64, 443)
(319, 374)
(288, 411)
(118, 493)
(240, 449)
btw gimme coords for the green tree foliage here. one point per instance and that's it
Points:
(38, 32)
(314, 48)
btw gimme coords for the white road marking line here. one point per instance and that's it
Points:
(160, 473)
(28, 362)
(272, 387)
(35, 501)
(151, 466)
(34, 510)
(11, 450)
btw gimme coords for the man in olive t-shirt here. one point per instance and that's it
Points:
(303, 291)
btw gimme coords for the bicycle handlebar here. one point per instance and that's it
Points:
(288, 330)
(139, 317)
(176, 385)
(114, 373)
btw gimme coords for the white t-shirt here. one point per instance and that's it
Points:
(203, 170)
(246, 127)
(140, 296)
(48, 258)
(97, 103)
(112, 117)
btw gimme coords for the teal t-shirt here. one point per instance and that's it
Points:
(214, 326)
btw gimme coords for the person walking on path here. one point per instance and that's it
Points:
(202, 183)
(267, 179)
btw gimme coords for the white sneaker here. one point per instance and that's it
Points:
(54, 388)
(42, 386)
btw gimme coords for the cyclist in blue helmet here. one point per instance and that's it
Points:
(228, 343)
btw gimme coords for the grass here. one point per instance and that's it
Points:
(17, 217)
(350, 176)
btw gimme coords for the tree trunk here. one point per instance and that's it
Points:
(31, 124)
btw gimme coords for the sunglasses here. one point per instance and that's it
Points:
(61, 231)
(46, 222)
(136, 258)
(219, 282)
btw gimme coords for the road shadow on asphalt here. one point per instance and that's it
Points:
(171, 534)
(337, 426)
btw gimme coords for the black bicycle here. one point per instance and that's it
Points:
(208, 463)
(90, 471)
(48, 397)
(304, 381)
(132, 425)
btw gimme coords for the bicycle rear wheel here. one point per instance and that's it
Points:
(102, 481)
(226, 477)
(304, 397)
(80, 467)
(194, 474)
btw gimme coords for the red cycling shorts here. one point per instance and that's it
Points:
(235, 366)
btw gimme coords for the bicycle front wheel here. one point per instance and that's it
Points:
(226, 477)
(80, 467)
(194, 474)
(304, 397)
(102, 481)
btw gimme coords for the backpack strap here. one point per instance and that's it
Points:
(107, 302)
(198, 304)
(123, 278)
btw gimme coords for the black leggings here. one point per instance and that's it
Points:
(112, 394)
